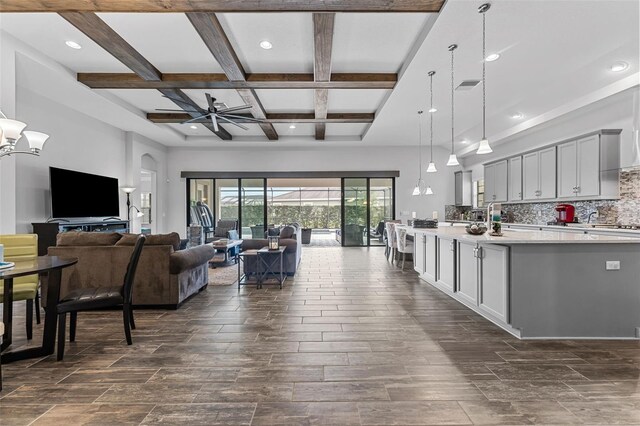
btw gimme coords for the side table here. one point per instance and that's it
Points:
(268, 260)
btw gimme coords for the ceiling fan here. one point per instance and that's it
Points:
(215, 111)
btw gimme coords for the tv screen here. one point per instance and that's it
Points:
(77, 194)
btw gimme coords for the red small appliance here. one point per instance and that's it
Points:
(565, 213)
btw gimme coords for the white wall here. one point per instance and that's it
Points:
(272, 158)
(614, 112)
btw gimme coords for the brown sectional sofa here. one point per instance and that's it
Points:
(166, 276)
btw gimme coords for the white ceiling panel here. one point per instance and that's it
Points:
(352, 129)
(286, 100)
(300, 130)
(167, 40)
(374, 42)
(48, 32)
(291, 35)
(356, 100)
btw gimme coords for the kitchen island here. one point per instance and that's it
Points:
(538, 283)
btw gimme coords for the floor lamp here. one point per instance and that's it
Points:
(128, 190)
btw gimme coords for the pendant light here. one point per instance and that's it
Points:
(432, 166)
(453, 159)
(420, 184)
(484, 147)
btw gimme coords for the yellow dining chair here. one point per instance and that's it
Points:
(20, 248)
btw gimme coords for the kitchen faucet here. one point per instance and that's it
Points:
(591, 214)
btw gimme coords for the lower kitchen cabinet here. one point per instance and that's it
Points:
(493, 263)
(419, 253)
(446, 264)
(467, 272)
(431, 257)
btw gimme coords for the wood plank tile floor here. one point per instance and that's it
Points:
(350, 340)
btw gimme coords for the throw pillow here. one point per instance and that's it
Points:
(273, 232)
(287, 232)
(74, 238)
(172, 239)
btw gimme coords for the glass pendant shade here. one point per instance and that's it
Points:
(416, 191)
(3, 140)
(432, 168)
(484, 147)
(11, 129)
(36, 139)
(453, 160)
(429, 191)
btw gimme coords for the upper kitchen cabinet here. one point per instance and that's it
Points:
(495, 182)
(588, 167)
(539, 174)
(514, 180)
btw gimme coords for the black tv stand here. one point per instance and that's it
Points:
(48, 231)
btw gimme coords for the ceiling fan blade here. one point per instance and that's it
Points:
(215, 123)
(240, 117)
(210, 101)
(233, 122)
(195, 119)
(236, 108)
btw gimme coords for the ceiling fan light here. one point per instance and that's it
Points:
(484, 147)
(432, 168)
(429, 191)
(453, 160)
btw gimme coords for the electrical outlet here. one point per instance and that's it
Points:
(613, 265)
(539, 213)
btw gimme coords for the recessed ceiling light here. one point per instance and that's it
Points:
(194, 127)
(464, 141)
(266, 44)
(293, 126)
(433, 109)
(619, 66)
(72, 44)
(493, 57)
(517, 116)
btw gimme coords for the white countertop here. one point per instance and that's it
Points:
(511, 236)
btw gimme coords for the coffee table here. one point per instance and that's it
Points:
(231, 246)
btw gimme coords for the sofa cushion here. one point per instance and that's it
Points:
(221, 231)
(74, 238)
(273, 232)
(190, 258)
(287, 232)
(172, 239)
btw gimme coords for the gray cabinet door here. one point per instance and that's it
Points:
(467, 273)
(419, 253)
(514, 180)
(500, 185)
(446, 264)
(588, 161)
(530, 175)
(489, 183)
(431, 258)
(567, 169)
(494, 281)
(547, 173)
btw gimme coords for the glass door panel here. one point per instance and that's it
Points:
(226, 200)
(252, 206)
(355, 205)
(380, 207)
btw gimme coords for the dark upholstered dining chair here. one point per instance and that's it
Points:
(87, 299)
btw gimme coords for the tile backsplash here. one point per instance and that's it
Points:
(625, 211)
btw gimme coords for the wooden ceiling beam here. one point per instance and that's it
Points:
(97, 30)
(253, 81)
(214, 37)
(220, 6)
(283, 118)
(322, 42)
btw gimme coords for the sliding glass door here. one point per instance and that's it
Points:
(380, 208)
(252, 208)
(356, 212)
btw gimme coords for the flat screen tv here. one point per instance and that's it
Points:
(77, 194)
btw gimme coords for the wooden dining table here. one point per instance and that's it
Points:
(42, 265)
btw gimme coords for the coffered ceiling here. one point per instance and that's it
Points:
(555, 56)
